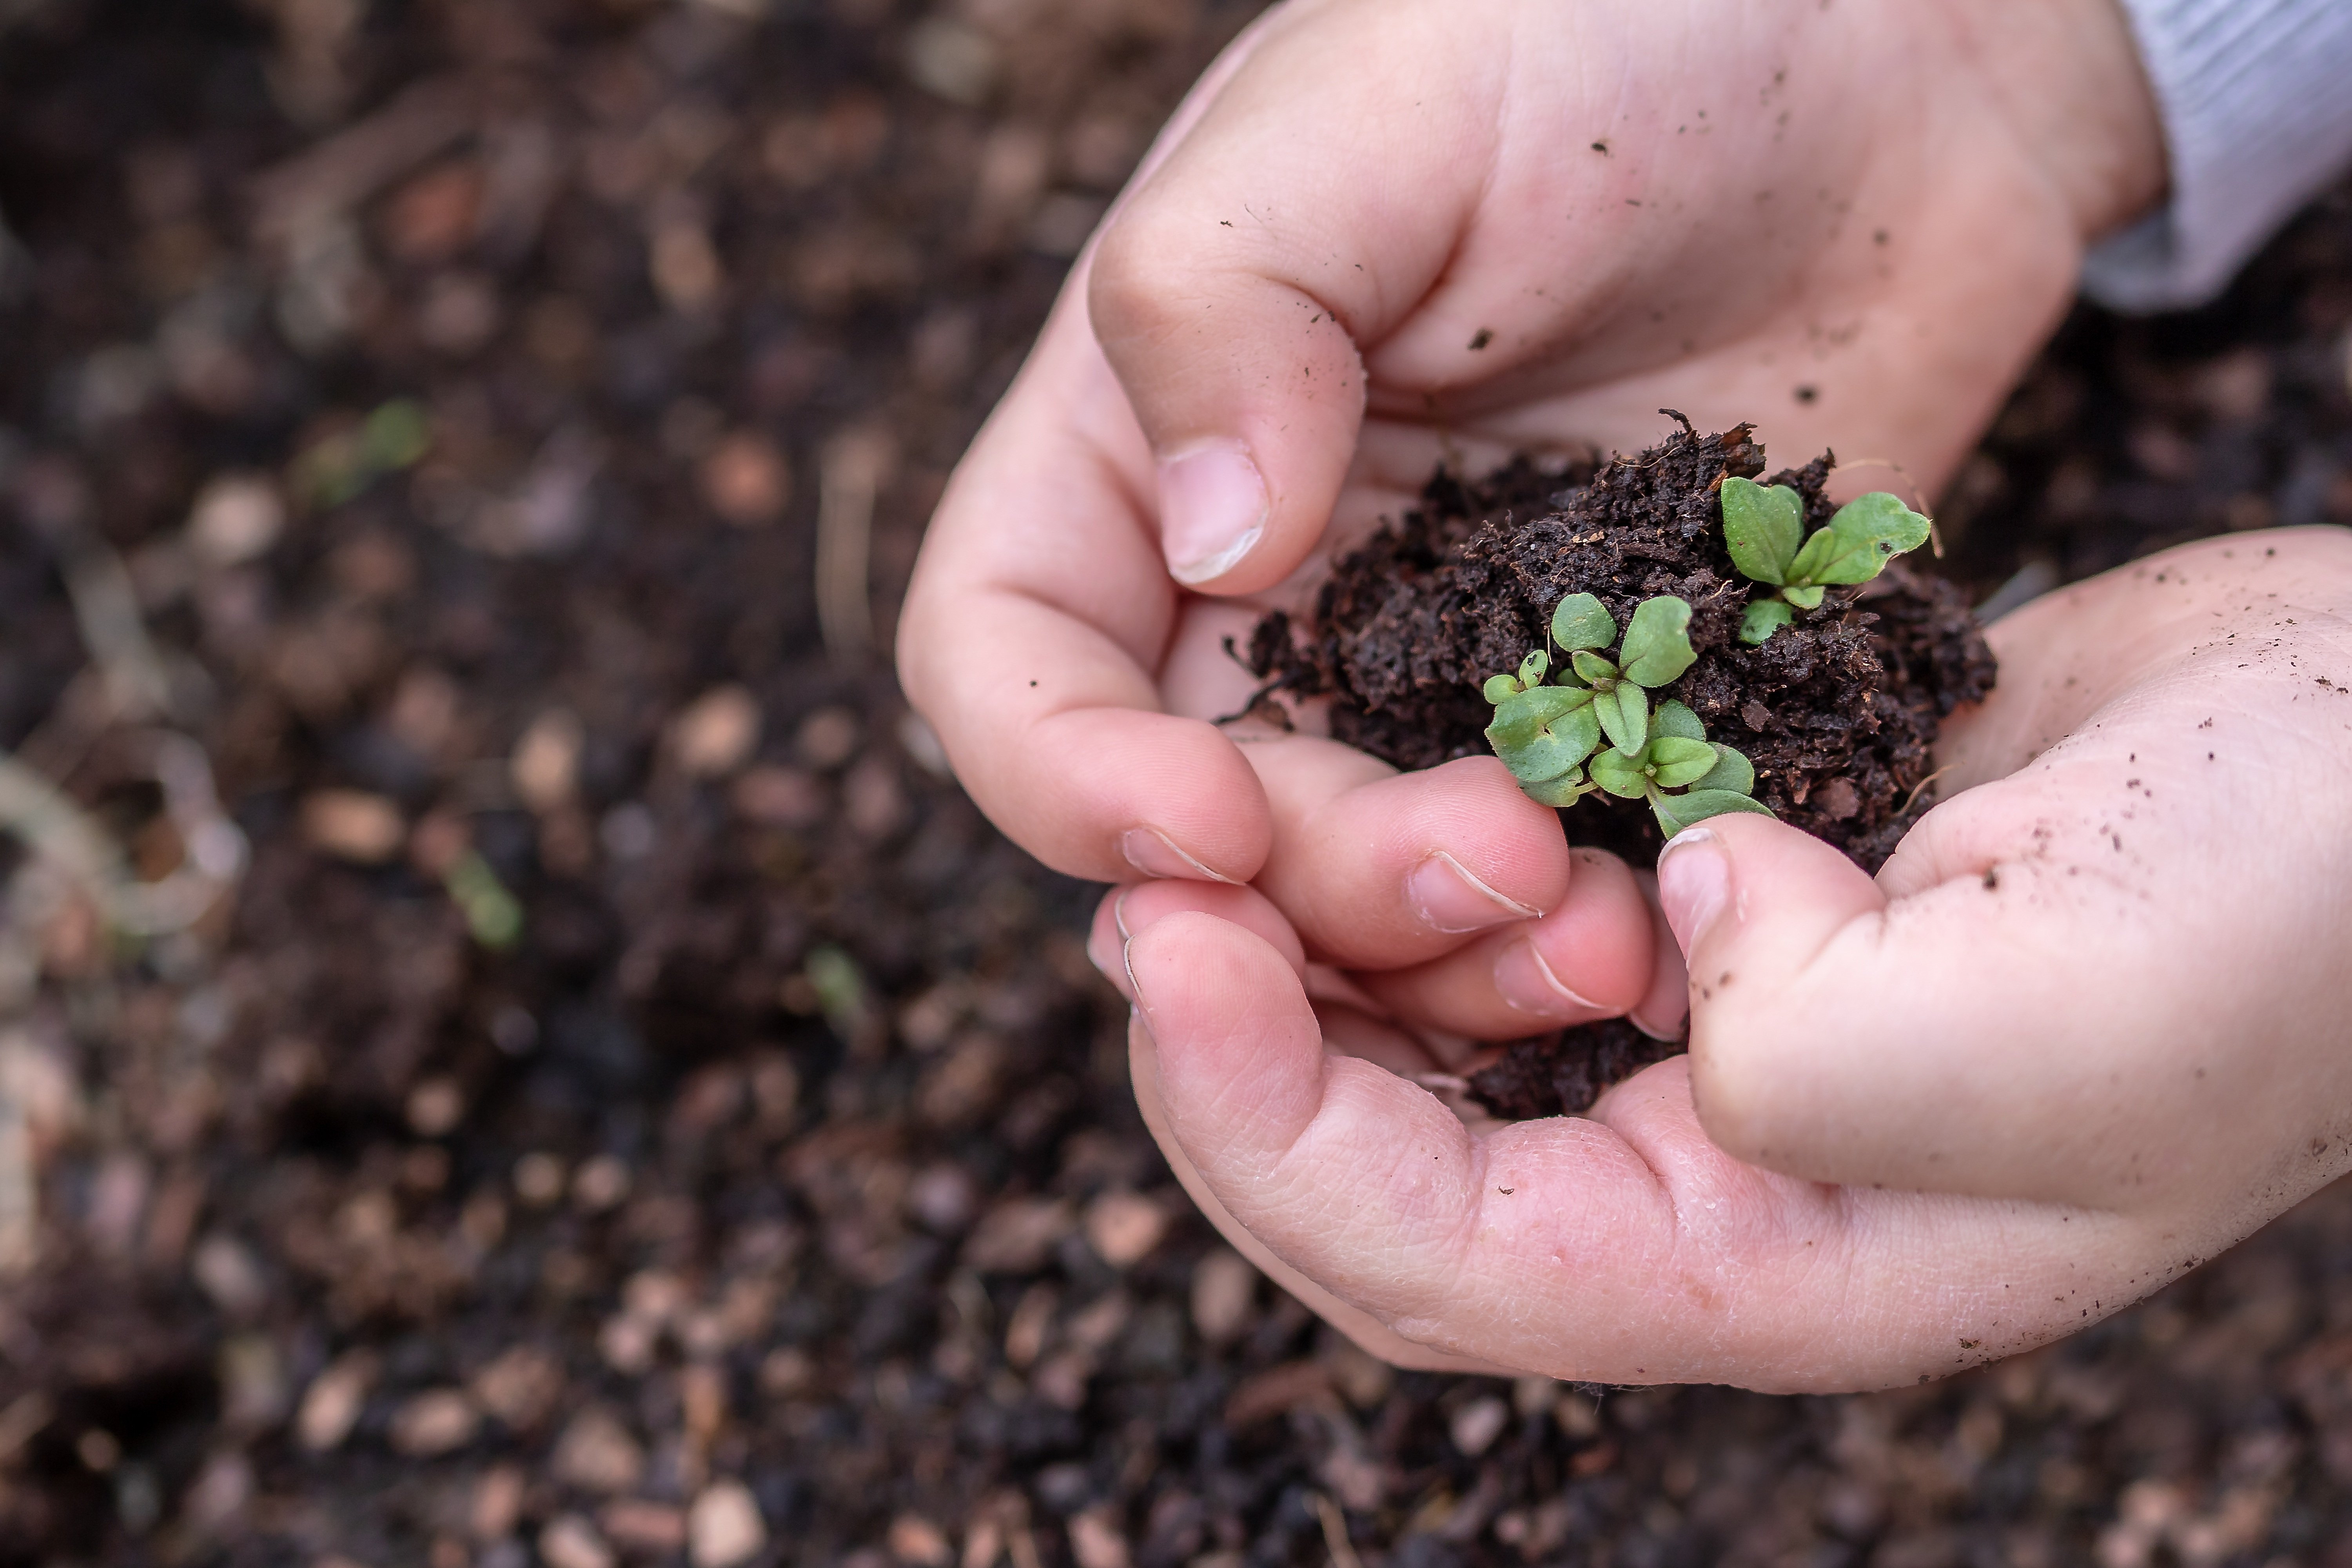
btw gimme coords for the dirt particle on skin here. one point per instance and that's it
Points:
(1808, 393)
(1992, 877)
(1481, 338)
(1601, 147)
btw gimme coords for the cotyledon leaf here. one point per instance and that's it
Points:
(1763, 527)
(1657, 642)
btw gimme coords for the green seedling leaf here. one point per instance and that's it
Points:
(840, 990)
(1579, 622)
(1673, 719)
(1657, 642)
(1562, 742)
(1501, 689)
(1518, 717)
(1813, 556)
(1882, 517)
(1534, 667)
(1529, 727)
(1621, 776)
(1731, 771)
(1592, 666)
(1522, 716)
(395, 436)
(1563, 791)
(493, 916)
(1803, 598)
(1764, 618)
(1762, 527)
(1864, 536)
(1674, 762)
(1624, 716)
(1677, 812)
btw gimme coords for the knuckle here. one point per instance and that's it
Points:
(1140, 273)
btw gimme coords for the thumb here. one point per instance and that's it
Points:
(1988, 1031)
(1755, 906)
(1231, 290)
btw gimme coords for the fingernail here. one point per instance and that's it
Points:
(1653, 1031)
(1527, 982)
(1134, 993)
(1694, 880)
(1106, 951)
(1154, 854)
(1119, 914)
(1212, 508)
(1449, 898)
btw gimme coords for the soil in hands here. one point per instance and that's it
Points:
(1838, 711)
(1562, 1073)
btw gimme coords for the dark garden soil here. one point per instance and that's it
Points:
(1562, 1073)
(1837, 712)
(470, 424)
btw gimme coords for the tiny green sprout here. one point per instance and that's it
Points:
(1713, 779)
(1551, 736)
(493, 916)
(1763, 527)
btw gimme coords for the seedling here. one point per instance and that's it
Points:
(1546, 734)
(1764, 528)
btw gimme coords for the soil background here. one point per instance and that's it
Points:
(495, 433)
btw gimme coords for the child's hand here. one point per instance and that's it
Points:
(2087, 1028)
(1384, 228)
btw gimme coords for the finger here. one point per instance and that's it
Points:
(1366, 1331)
(1037, 616)
(1592, 957)
(2094, 978)
(1379, 868)
(1630, 1250)
(1137, 906)
(1664, 1007)
(1305, 214)
(2026, 1024)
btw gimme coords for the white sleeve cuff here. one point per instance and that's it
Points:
(2256, 98)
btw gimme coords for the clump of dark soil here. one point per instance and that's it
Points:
(1837, 712)
(1563, 1073)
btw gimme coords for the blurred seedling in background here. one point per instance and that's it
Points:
(338, 467)
(1552, 736)
(1764, 528)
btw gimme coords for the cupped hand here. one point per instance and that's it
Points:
(2084, 1029)
(1384, 231)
